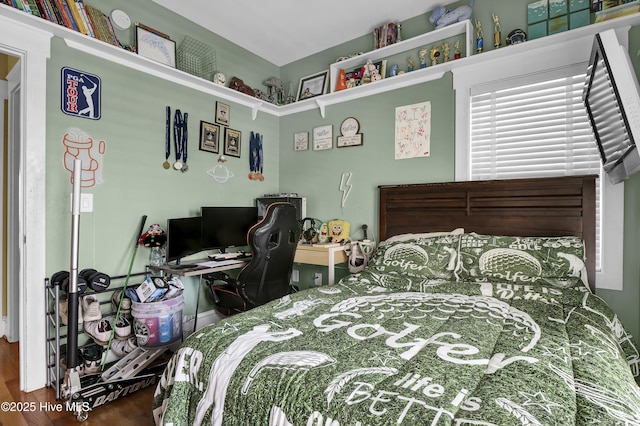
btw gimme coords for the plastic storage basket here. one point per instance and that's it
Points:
(196, 58)
(159, 323)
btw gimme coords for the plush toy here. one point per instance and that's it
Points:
(323, 237)
(443, 17)
(339, 230)
(154, 237)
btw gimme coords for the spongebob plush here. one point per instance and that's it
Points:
(339, 230)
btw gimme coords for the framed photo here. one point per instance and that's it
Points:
(232, 142)
(223, 113)
(323, 137)
(152, 45)
(209, 137)
(301, 141)
(313, 85)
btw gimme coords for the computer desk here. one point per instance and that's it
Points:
(198, 268)
(328, 255)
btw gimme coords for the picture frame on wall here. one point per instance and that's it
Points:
(323, 137)
(313, 85)
(232, 142)
(301, 141)
(209, 137)
(223, 114)
(152, 45)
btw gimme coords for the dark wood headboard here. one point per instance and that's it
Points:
(544, 207)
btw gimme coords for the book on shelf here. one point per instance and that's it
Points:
(85, 18)
(98, 20)
(33, 8)
(54, 12)
(25, 6)
(75, 15)
(42, 8)
(67, 11)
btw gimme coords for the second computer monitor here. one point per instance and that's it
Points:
(224, 227)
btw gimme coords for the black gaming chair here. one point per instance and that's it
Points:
(266, 277)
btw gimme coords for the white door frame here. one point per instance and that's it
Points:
(13, 205)
(4, 95)
(33, 47)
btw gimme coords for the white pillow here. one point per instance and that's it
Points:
(407, 237)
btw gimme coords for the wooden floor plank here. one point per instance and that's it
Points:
(133, 409)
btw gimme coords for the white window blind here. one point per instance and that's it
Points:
(534, 129)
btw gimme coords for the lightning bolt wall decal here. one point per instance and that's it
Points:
(345, 186)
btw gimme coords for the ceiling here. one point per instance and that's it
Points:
(283, 31)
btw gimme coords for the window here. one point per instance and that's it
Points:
(535, 125)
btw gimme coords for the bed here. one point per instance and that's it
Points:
(476, 309)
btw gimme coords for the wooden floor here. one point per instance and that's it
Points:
(134, 409)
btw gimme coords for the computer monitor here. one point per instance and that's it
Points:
(184, 237)
(224, 227)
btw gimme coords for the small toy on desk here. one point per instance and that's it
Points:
(339, 230)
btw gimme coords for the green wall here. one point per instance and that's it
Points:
(132, 125)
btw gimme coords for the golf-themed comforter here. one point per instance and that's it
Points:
(437, 330)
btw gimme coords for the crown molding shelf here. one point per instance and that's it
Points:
(123, 57)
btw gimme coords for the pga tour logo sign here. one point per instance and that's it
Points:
(80, 94)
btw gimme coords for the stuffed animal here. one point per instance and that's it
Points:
(443, 17)
(154, 237)
(339, 230)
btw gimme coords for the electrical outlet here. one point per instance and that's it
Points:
(295, 276)
(317, 278)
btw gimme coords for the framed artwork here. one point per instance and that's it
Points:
(223, 113)
(152, 45)
(350, 136)
(209, 137)
(323, 137)
(313, 85)
(301, 141)
(232, 142)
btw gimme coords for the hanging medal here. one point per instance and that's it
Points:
(177, 138)
(184, 143)
(167, 140)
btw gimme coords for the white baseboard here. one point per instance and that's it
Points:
(209, 317)
(204, 319)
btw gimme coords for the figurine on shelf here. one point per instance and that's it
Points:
(497, 31)
(479, 37)
(456, 50)
(446, 48)
(422, 53)
(434, 53)
(373, 71)
(393, 70)
(410, 64)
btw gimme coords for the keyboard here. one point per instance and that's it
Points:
(229, 256)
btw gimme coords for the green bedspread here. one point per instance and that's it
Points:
(361, 353)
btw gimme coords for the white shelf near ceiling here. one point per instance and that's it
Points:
(123, 57)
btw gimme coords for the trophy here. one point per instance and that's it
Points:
(445, 51)
(479, 37)
(497, 31)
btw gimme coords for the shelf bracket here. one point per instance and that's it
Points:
(322, 106)
(254, 110)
